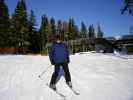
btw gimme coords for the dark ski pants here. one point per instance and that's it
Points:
(56, 72)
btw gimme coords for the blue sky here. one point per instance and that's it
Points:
(105, 12)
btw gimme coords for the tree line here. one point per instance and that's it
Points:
(20, 30)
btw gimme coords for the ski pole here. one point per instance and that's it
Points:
(44, 71)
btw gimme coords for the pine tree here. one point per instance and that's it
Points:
(60, 29)
(77, 33)
(131, 30)
(44, 32)
(33, 35)
(20, 26)
(65, 30)
(59, 26)
(83, 31)
(4, 25)
(53, 26)
(72, 29)
(32, 21)
(99, 33)
(91, 32)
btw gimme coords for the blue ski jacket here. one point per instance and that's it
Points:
(58, 53)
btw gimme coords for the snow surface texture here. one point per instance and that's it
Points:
(96, 76)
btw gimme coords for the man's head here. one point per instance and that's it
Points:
(57, 38)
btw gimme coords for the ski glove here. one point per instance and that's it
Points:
(52, 62)
(68, 60)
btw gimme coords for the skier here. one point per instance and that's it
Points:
(59, 57)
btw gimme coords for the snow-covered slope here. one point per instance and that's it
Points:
(95, 76)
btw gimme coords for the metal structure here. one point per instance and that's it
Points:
(128, 6)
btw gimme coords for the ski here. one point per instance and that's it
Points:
(58, 93)
(74, 91)
(40, 77)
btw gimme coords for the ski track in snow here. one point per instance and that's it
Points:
(96, 76)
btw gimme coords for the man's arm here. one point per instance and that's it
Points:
(67, 52)
(51, 55)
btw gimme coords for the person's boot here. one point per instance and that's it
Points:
(53, 86)
(69, 84)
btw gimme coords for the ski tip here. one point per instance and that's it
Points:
(47, 84)
(77, 93)
(39, 76)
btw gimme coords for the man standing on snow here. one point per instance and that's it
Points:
(59, 57)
